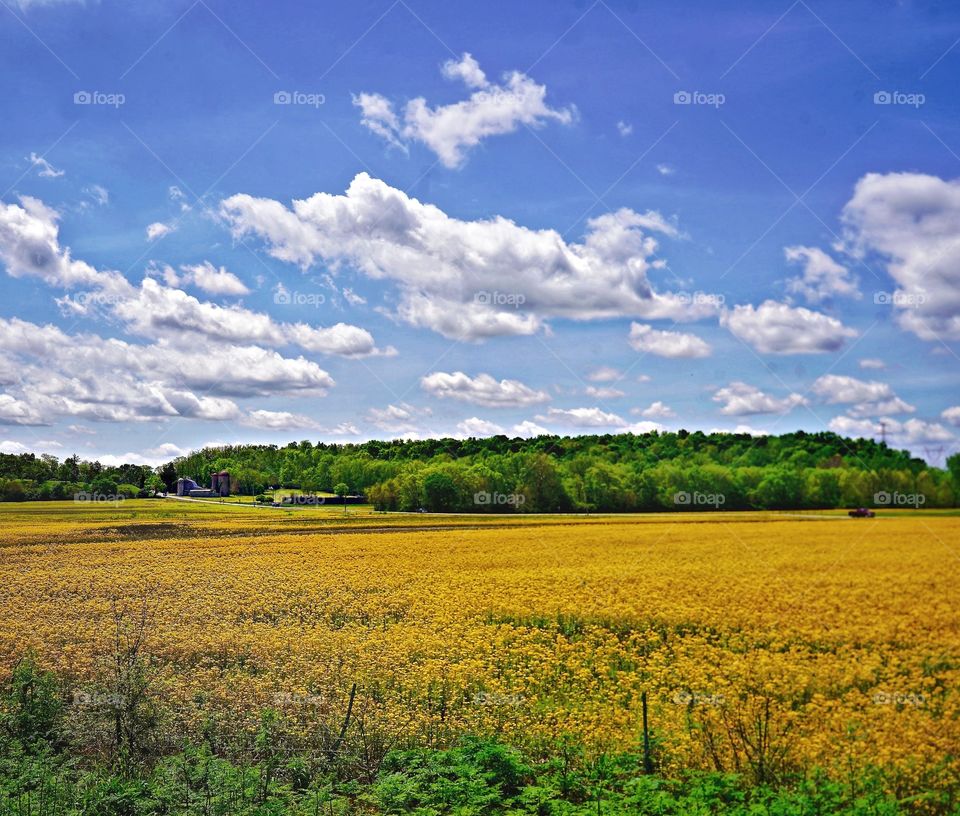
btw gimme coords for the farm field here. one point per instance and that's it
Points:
(766, 644)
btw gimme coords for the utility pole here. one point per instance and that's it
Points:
(883, 432)
(934, 455)
(647, 760)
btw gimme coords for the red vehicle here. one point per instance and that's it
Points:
(861, 512)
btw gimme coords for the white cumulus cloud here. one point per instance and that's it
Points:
(646, 339)
(469, 280)
(452, 130)
(157, 230)
(778, 328)
(741, 399)
(474, 426)
(823, 277)
(482, 390)
(912, 222)
(213, 280)
(582, 418)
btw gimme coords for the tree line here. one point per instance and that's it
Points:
(604, 473)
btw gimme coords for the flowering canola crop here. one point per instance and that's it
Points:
(764, 644)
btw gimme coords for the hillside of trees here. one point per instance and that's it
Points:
(618, 473)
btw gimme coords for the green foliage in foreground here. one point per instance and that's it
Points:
(40, 776)
(476, 777)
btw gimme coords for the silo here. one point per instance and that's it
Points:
(223, 483)
(215, 482)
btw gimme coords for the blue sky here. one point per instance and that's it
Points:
(226, 222)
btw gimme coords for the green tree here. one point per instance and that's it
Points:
(953, 466)
(168, 475)
(154, 484)
(440, 492)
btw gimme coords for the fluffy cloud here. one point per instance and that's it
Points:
(18, 412)
(604, 374)
(30, 247)
(474, 426)
(451, 130)
(341, 338)
(9, 446)
(157, 230)
(835, 388)
(741, 399)
(871, 398)
(874, 363)
(167, 450)
(482, 390)
(467, 70)
(911, 432)
(277, 420)
(646, 339)
(400, 418)
(212, 280)
(112, 380)
(178, 318)
(469, 280)
(952, 415)
(601, 392)
(583, 418)
(894, 405)
(778, 328)
(161, 312)
(528, 429)
(913, 221)
(657, 410)
(823, 278)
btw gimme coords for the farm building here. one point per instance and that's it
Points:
(220, 484)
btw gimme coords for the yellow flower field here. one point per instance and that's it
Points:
(766, 644)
